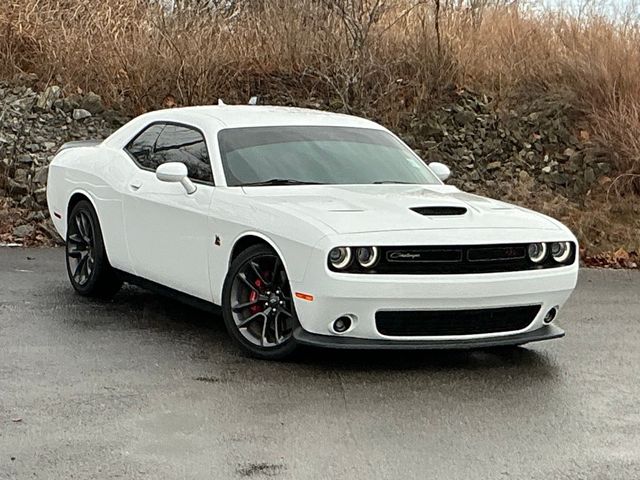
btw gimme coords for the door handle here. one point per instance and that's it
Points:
(135, 186)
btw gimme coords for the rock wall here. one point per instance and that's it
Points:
(495, 149)
(32, 127)
(511, 153)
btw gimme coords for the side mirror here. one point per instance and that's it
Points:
(175, 172)
(441, 170)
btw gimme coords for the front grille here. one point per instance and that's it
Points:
(457, 259)
(435, 323)
(497, 253)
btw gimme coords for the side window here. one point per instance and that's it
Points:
(141, 148)
(182, 144)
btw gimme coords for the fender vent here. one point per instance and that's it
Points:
(440, 210)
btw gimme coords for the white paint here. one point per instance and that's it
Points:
(156, 230)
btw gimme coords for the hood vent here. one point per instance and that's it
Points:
(440, 210)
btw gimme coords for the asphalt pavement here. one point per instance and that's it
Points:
(144, 387)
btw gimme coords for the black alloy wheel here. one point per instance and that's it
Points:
(87, 264)
(258, 306)
(80, 248)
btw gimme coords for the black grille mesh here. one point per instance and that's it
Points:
(455, 322)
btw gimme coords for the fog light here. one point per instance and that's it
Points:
(551, 315)
(342, 324)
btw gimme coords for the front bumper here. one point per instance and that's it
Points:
(361, 296)
(547, 332)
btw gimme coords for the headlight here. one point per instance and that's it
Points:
(340, 257)
(367, 256)
(560, 251)
(537, 252)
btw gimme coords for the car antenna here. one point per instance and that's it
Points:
(221, 103)
(253, 100)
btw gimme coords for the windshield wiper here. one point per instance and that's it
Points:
(380, 182)
(279, 181)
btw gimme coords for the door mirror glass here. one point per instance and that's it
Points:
(441, 170)
(175, 172)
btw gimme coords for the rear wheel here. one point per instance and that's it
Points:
(87, 264)
(257, 304)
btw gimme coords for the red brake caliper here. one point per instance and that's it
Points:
(253, 296)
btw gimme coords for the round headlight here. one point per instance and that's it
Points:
(560, 251)
(367, 256)
(340, 257)
(537, 252)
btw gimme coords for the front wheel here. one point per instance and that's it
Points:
(257, 304)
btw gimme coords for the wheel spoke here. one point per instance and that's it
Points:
(75, 253)
(86, 230)
(241, 306)
(263, 339)
(77, 274)
(90, 234)
(256, 269)
(89, 264)
(250, 319)
(79, 225)
(75, 238)
(85, 268)
(244, 279)
(276, 268)
(288, 323)
(276, 333)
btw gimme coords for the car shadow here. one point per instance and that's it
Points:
(167, 316)
(461, 359)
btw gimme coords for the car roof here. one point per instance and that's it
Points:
(212, 118)
(238, 116)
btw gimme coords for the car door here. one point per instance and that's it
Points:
(168, 230)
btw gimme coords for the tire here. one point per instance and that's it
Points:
(257, 304)
(88, 267)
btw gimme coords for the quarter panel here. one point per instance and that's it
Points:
(93, 172)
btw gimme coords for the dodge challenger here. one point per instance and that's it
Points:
(306, 228)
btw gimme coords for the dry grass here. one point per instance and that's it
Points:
(382, 58)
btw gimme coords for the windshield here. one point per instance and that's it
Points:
(318, 155)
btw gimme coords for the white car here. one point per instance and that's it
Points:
(306, 227)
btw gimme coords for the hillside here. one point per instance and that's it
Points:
(542, 109)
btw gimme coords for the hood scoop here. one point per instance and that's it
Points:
(432, 211)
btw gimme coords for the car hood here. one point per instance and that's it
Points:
(380, 208)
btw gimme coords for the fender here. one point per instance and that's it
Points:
(217, 278)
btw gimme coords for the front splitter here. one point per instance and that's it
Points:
(330, 341)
